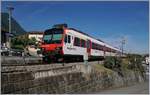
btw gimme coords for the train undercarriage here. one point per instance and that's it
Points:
(54, 58)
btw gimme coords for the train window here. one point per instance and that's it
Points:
(104, 48)
(69, 38)
(100, 47)
(76, 41)
(82, 43)
(92, 45)
(114, 51)
(109, 50)
(96, 46)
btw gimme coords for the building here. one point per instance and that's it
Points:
(36, 34)
(33, 50)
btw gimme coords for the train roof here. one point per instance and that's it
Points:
(85, 34)
(88, 36)
(94, 38)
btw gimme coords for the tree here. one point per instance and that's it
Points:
(20, 42)
(32, 41)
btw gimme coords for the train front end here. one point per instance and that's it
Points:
(52, 45)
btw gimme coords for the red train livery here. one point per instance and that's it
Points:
(63, 43)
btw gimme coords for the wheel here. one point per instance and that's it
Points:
(46, 59)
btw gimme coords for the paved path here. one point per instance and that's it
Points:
(141, 88)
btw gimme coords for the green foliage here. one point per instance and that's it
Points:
(32, 41)
(22, 42)
(131, 62)
(21, 47)
(18, 41)
(135, 62)
(101, 68)
(112, 62)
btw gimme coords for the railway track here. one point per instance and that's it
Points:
(32, 64)
(29, 61)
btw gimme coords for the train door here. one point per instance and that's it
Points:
(68, 40)
(89, 47)
(104, 49)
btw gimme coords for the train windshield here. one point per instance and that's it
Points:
(53, 36)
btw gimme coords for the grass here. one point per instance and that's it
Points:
(101, 68)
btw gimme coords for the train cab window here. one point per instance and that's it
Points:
(52, 36)
(82, 43)
(76, 41)
(65, 39)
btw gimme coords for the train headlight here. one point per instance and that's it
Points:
(58, 48)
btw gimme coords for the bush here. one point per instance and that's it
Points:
(25, 41)
(18, 47)
(135, 62)
(112, 62)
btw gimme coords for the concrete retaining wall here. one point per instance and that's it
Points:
(78, 78)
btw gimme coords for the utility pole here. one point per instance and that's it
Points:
(122, 44)
(10, 9)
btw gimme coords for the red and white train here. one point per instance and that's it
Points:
(63, 43)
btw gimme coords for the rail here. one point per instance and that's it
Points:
(16, 60)
(23, 60)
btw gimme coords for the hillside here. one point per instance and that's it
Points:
(15, 25)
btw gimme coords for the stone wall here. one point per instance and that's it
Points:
(77, 78)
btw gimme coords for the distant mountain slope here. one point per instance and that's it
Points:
(15, 25)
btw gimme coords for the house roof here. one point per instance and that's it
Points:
(35, 32)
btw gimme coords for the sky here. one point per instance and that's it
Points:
(108, 21)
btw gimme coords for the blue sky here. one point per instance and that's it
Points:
(108, 21)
